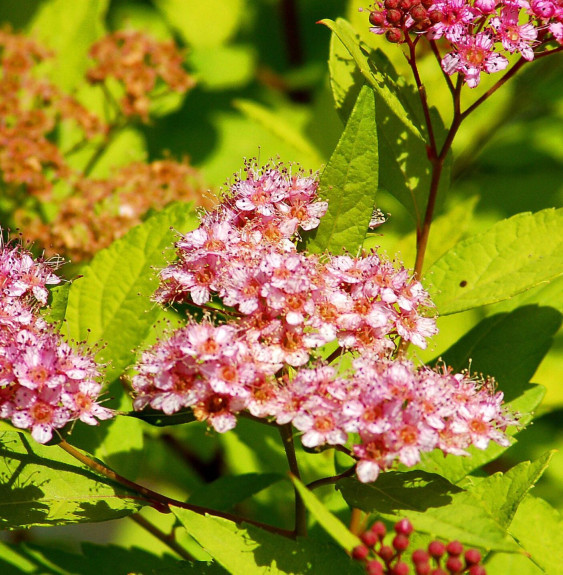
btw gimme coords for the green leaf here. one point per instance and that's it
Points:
(433, 505)
(118, 442)
(203, 24)
(330, 523)
(404, 169)
(111, 303)
(69, 28)
(346, 80)
(507, 346)
(381, 82)
(56, 311)
(95, 559)
(349, 182)
(511, 564)
(43, 485)
(253, 551)
(511, 257)
(538, 528)
(501, 494)
(279, 126)
(447, 230)
(224, 493)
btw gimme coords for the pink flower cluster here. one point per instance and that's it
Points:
(44, 382)
(478, 31)
(282, 307)
(290, 302)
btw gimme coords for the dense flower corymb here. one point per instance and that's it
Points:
(281, 307)
(44, 382)
(479, 33)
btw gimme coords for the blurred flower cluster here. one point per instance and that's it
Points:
(44, 382)
(282, 311)
(480, 35)
(62, 208)
(143, 67)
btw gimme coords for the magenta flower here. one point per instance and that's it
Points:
(474, 54)
(283, 307)
(44, 382)
(515, 37)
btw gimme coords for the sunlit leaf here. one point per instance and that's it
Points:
(111, 302)
(254, 551)
(349, 182)
(330, 523)
(43, 485)
(511, 257)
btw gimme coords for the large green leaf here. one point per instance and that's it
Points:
(447, 230)
(330, 523)
(346, 80)
(253, 551)
(43, 485)
(203, 24)
(501, 494)
(349, 182)
(280, 127)
(507, 346)
(381, 82)
(56, 311)
(69, 28)
(478, 515)
(224, 493)
(511, 257)
(433, 505)
(538, 528)
(95, 559)
(404, 168)
(512, 564)
(111, 302)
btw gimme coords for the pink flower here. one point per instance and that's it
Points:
(456, 15)
(474, 54)
(515, 37)
(40, 413)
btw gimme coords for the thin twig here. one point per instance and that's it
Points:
(331, 480)
(286, 432)
(422, 94)
(167, 539)
(494, 88)
(161, 502)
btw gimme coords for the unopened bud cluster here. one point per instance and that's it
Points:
(397, 17)
(275, 308)
(44, 382)
(382, 556)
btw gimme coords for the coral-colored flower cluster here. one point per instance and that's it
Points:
(281, 306)
(100, 211)
(90, 212)
(480, 33)
(140, 65)
(381, 558)
(30, 108)
(44, 382)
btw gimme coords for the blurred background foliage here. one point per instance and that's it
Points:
(262, 90)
